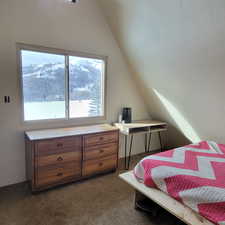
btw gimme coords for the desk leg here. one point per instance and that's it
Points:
(149, 142)
(160, 140)
(146, 142)
(131, 143)
(125, 159)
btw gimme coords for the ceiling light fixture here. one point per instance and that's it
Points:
(74, 1)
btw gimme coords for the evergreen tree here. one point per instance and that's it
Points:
(96, 101)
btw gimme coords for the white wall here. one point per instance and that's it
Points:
(54, 23)
(177, 50)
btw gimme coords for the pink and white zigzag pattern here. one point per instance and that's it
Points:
(193, 174)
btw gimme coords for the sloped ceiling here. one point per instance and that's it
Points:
(176, 50)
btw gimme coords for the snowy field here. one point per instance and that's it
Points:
(55, 110)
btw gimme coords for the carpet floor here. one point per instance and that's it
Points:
(103, 200)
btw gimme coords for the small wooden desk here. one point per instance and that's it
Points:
(146, 127)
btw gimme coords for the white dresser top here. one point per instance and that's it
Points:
(69, 131)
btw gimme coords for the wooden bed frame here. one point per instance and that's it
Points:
(182, 212)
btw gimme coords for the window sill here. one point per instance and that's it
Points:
(58, 123)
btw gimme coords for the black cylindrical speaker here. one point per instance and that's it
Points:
(127, 115)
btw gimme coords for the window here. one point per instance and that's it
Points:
(61, 85)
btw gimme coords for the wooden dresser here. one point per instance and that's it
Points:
(59, 156)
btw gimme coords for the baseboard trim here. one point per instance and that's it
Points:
(143, 154)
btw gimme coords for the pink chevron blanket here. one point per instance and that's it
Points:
(193, 174)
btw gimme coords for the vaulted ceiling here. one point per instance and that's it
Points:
(176, 51)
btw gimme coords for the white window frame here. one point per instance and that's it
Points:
(67, 53)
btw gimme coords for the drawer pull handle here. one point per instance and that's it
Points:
(59, 159)
(59, 174)
(59, 145)
(101, 151)
(100, 164)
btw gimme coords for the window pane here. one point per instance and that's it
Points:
(86, 85)
(43, 85)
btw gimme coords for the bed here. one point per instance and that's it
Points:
(189, 182)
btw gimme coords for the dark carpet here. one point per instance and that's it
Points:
(103, 200)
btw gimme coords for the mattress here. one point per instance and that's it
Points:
(193, 174)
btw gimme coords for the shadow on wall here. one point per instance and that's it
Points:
(182, 132)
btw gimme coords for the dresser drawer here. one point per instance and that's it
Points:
(57, 173)
(100, 151)
(54, 159)
(98, 139)
(91, 167)
(58, 145)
